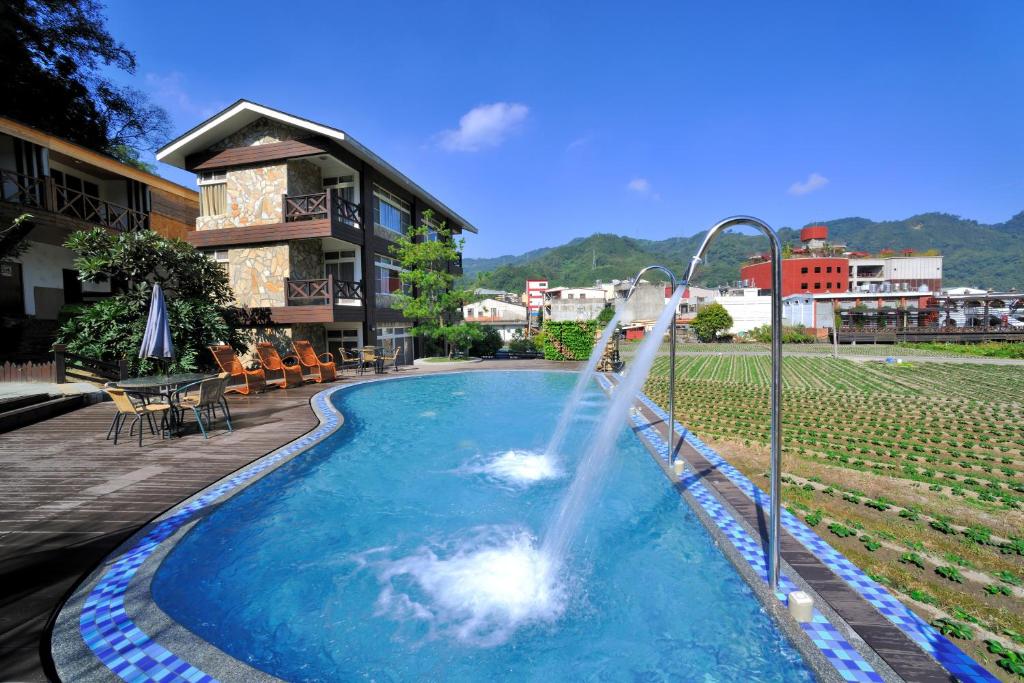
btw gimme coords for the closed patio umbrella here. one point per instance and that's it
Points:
(156, 342)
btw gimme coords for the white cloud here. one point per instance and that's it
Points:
(578, 143)
(485, 126)
(815, 181)
(641, 185)
(168, 90)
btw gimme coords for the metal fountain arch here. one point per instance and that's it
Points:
(776, 383)
(671, 354)
(776, 376)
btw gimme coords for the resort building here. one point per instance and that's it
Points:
(302, 216)
(818, 267)
(504, 316)
(66, 187)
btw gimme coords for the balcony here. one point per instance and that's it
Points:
(321, 206)
(41, 192)
(323, 292)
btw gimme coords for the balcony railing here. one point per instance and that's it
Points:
(384, 299)
(42, 192)
(320, 206)
(23, 189)
(322, 291)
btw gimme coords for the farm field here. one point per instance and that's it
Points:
(914, 471)
(904, 351)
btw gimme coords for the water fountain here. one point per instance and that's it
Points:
(569, 513)
(584, 380)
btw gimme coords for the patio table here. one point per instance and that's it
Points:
(162, 386)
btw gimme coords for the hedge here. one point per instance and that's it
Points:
(575, 337)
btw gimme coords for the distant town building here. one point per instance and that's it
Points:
(818, 267)
(506, 317)
(534, 300)
(574, 303)
(500, 295)
(747, 307)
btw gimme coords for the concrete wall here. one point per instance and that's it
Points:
(43, 278)
(748, 310)
(575, 309)
(646, 303)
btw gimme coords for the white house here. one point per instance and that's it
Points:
(504, 316)
(747, 309)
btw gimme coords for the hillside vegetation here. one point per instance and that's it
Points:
(975, 254)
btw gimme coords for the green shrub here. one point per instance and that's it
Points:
(569, 340)
(711, 321)
(487, 344)
(795, 334)
(951, 573)
(912, 558)
(948, 627)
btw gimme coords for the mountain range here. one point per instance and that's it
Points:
(975, 254)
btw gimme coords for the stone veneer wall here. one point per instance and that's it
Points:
(304, 177)
(254, 194)
(260, 132)
(257, 274)
(305, 259)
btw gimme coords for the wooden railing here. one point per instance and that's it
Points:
(43, 193)
(78, 204)
(24, 189)
(321, 291)
(319, 206)
(343, 210)
(70, 367)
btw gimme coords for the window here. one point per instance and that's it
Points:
(839, 269)
(213, 193)
(803, 271)
(219, 256)
(817, 285)
(828, 269)
(397, 337)
(386, 279)
(803, 285)
(817, 269)
(432, 226)
(350, 340)
(390, 212)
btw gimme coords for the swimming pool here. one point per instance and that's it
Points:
(403, 547)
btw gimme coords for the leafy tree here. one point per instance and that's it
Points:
(488, 344)
(53, 54)
(196, 289)
(429, 295)
(605, 316)
(711, 320)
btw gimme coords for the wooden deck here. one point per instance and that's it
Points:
(68, 497)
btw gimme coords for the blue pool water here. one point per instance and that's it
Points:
(403, 547)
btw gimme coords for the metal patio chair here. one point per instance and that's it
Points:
(126, 408)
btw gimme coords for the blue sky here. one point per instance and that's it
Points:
(544, 121)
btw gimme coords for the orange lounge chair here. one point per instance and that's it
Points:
(273, 365)
(314, 368)
(242, 381)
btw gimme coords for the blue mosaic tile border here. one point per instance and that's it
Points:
(104, 624)
(952, 658)
(843, 656)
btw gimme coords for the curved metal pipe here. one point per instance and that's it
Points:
(671, 358)
(776, 387)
